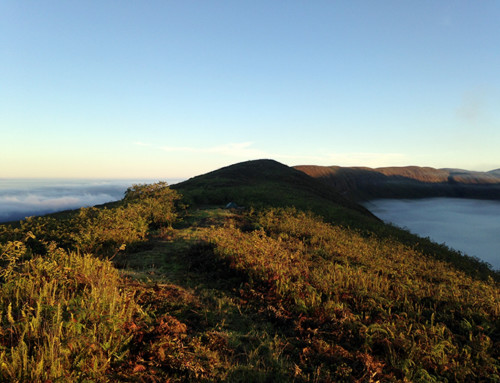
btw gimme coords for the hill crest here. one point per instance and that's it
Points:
(270, 183)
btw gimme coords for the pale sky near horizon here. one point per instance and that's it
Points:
(166, 89)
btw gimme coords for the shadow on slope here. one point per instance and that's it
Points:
(267, 183)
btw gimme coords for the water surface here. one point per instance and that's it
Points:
(470, 226)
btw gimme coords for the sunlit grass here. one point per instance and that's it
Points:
(62, 316)
(412, 315)
(245, 295)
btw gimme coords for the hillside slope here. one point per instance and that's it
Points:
(147, 290)
(362, 183)
(269, 183)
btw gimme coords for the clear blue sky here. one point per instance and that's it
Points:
(179, 88)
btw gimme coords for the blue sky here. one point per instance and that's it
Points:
(168, 89)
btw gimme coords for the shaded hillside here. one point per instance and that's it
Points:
(362, 183)
(495, 172)
(269, 183)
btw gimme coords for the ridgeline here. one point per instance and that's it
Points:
(361, 183)
(293, 283)
(268, 183)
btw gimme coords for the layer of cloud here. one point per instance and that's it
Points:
(367, 159)
(448, 220)
(20, 199)
(471, 110)
(15, 208)
(140, 143)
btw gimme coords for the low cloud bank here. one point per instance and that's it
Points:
(20, 199)
(467, 225)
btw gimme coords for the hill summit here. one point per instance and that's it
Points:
(267, 182)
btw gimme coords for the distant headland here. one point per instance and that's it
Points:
(363, 183)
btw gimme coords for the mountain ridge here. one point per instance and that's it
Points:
(363, 183)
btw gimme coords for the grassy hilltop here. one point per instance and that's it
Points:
(299, 284)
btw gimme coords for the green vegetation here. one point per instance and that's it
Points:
(62, 317)
(373, 306)
(149, 290)
(267, 183)
(63, 312)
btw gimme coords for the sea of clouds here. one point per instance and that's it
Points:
(468, 225)
(24, 198)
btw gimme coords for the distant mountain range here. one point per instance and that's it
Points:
(363, 183)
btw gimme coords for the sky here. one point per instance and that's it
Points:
(174, 89)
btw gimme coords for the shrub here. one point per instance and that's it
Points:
(156, 202)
